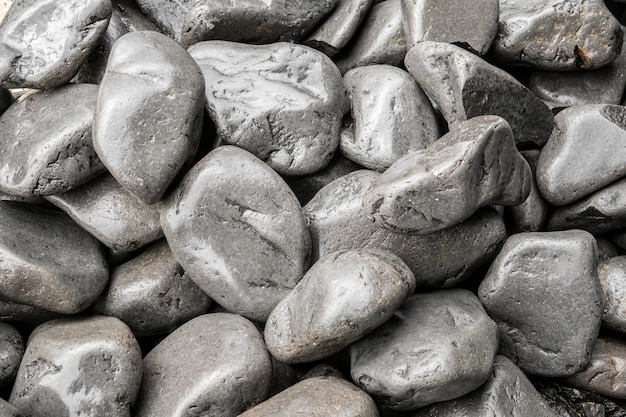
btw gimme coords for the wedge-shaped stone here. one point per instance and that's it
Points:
(464, 86)
(475, 165)
(612, 274)
(543, 291)
(238, 231)
(283, 102)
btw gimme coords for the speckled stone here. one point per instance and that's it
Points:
(8, 410)
(11, 352)
(612, 275)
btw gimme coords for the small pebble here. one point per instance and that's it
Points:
(612, 275)
(11, 352)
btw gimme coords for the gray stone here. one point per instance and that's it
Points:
(543, 291)
(111, 214)
(44, 42)
(11, 352)
(282, 102)
(283, 376)
(215, 364)
(469, 23)
(152, 294)
(475, 165)
(87, 366)
(392, 116)
(317, 397)
(606, 249)
(440, 259)
(49, 262)
(23, 314)
(148, 118)
(238, 231)
(249, 21)
(585, 152)
(557, 34)
(344, 296)
(8, 410)
(437, 346)
(45, 142)
(464, 86)
(612, 275)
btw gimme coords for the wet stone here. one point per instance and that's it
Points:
(344, 296)
(543, 291)
(612, 274)
(87, 366)
(46, 142)
(148, 118)
(11, 352)
(475, 165)
(238, 231)
(282, 102)
(231, 369)
(436, 347)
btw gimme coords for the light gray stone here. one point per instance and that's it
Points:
(8, 410)
(11, 352)
(612, 275)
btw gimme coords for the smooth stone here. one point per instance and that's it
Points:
(379, 40)
(612, 275)
(231, 369)
(440, 259)
(436, 347)
(149, 113)
(282, 102)
(238, 231)
(283, 376)
(19, 314)
(543, 291)
(585, 152)
(49, 262)
(606, 249)
(111, 214)
(44, 42)
(317, 397)
(152, 294)
(11, 352)
(468, 23)
(46, 142)
(392, 116)
(88, 366)
(8, 410)
(475, 165)
(557, 34)
(618, 238)
(341, 298)
(464, 86)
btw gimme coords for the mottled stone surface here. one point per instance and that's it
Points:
(612, 274)
(8, 410)
(437, 346)
(230, 372)
(282, 102)
(87, 366)
(543, 291)
(11, 352)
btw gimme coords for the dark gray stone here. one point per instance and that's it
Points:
(23, 314)
(344, 296)
(148, 120)
(44, 42)
(49, 262)
(215, 364)
(283, 376)
(475, 165)
(543, 291)
(282, 102)
(464, 86)
(45, 142)
(87, 366)
(437, 346)
(238, 231)
(11, 352)
(606, 249)
(612, 275)
(6, 99)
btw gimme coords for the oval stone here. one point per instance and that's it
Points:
(11, 352)
(612, 275)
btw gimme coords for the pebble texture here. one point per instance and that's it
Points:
(543, 291)
(11, 352)
(238, 231)
(282, 102)
(612, 275)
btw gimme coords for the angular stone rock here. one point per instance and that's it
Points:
(585, 152)
(231, 369)
(440, 259)
(11, 352)
(111, 214)
(557, 34)
(49, 262)
(45, 142)
(282, 102)
(465, 86)
(344, 296)
(317, 397)
(43, 43)
(475, 165)
(238, 231)
(543, 291)
(437, 346)
(469, 23)
(612, 275)
(392, 116)
(148, 118)
(87, 366)
(8, 410)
